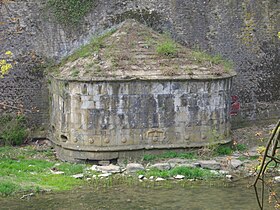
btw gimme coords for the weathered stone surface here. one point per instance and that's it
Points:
(228, 28)
(210, 164)
(126, 118)
(253, 152)
(109, 169)
(161, 166)
(134, 167)
(234, 163)
(177, 160)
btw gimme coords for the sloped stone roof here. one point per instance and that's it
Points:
(133, 51)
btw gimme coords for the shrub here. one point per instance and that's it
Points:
(13, 130)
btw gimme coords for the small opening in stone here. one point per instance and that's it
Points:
(99, 162)
(63, 138)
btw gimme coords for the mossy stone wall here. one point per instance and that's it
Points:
(242, 31)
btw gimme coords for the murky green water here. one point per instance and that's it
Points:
(193, 196)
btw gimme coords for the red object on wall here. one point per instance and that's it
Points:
(235, 106)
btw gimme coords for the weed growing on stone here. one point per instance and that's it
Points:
(70, 12)
(75, 72)
(167, 48)
(89, 49)
(202, 57)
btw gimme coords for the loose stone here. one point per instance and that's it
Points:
(228, 176)
(57, 172)
(277, 179)
(78, 176)
(104, 175)
(109, 169)
(93, 168)
(179, 177)
(214, 172)
(161, 166)
(234, 163)
(223, 172)
(159, 179)
(134, 167)
(141, 177)
(210, 164)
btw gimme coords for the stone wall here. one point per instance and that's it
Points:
(242, 31)
(115, 116)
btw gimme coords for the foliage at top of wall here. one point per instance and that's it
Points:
(70, 12)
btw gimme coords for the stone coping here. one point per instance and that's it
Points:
(146, 78)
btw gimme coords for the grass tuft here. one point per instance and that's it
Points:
(223, 150)
(167, 48)
(202, 57)
(188, 172)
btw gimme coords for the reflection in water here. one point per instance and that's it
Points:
(171, 195)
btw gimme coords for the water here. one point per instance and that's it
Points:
(182, 195)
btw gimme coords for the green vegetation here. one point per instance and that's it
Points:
(70, 12)
(27, 169)
(188, 155)
(13, 130)
(167, 48)
(74, 72)
(242, 158)
(7, 188)
(241, 147)
(223, 150)
(202, 57)
(89, 49)
(188, 172)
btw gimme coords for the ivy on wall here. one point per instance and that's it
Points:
(70, 12)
